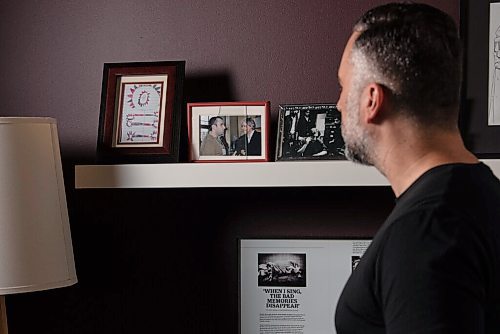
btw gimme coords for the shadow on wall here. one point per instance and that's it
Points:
(208, 87)
(205, 87)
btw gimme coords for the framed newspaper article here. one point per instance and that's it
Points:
(228, 131)
(309, 132)
(292, 285)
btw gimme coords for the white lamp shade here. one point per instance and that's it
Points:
(35, 240)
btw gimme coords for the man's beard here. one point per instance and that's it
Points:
(357, 140)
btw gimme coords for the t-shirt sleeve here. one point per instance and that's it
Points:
(430, 274)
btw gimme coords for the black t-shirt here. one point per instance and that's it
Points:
(434, 265)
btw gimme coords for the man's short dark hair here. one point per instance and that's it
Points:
(250, 122)
(212, 121)
(416, 48)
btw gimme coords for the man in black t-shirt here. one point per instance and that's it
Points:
(434, 265)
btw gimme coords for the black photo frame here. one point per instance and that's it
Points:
(482, 139)
(309, 132)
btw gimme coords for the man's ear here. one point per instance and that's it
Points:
(372, 102)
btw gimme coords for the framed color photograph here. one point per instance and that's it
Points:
(140, 112)
(309, 132)
(480, 110)
(228, 131)
(293, 285)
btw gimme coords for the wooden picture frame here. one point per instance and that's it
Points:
(140, 112)
(228, 131)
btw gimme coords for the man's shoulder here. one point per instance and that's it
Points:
(256, 135)
(208, 144)
(208, 138)
(453, 209)
(463, 185)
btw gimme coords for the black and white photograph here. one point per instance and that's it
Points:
(309, 132)
(354, 261)
(282, 269)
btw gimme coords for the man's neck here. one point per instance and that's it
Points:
(413, 154)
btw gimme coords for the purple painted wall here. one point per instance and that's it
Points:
(142, 252)
(52, 52)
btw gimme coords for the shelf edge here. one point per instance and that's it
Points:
(211, 175)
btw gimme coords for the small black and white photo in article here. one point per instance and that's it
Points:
(281, 269)
(354, 261)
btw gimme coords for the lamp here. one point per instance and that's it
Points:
(35, 240)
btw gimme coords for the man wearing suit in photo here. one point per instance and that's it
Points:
(250, 143)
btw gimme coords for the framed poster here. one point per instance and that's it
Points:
(140, 112)
(494, 65)
(480, 110)
(228, 131)
(292, 285)
(309, 132)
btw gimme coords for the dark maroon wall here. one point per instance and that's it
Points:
(52, 52)
(160, 259)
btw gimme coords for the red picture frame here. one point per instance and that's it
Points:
(243, 126)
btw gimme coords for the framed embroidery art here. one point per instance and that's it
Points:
(228, 131)
(140, 112)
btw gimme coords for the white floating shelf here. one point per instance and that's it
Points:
(204, 175)
(258, 174)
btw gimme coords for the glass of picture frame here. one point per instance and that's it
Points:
(228, 131)
(294, 283)
(140, 112)
(309, 132)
